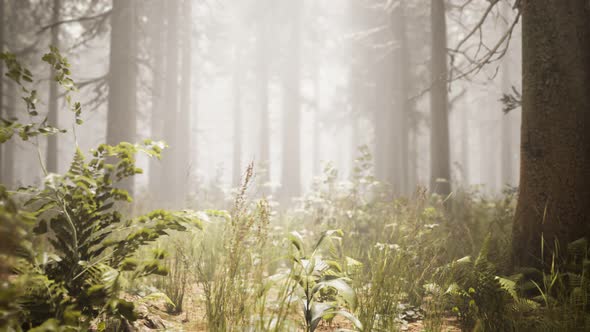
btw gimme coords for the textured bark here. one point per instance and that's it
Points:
(291, 161)
(555, 151)
(122, 108)
(439, 137)
(2, 108)
(52, 117)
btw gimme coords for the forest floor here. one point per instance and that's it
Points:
(193, 319)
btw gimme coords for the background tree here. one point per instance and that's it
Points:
(122, 98)
(440, 174)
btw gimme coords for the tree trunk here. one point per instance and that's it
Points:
(184, 124)
(52, 117)
(170, 157)
(404, 105)
(507, 120)
(10, 146)
(554, 196)
(262, 69)
(291, 170)
(158, 46)
(122, 108)
(2, 108)
(440, 175)
(237, 117)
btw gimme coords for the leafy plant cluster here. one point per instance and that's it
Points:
(69, 248)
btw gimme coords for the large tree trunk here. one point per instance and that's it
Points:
(2, 108)
(291, 161)
(121, 118)
(52, 117)
(440, 174)
(554, 198)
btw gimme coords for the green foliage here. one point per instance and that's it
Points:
(91, 245)
(68, 248)
(322, 283)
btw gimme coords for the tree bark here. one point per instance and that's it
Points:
(554, 196)
(440, 175)
(52, 153)
(2, 108)
(122, 103)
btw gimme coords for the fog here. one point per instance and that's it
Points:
(293, 87)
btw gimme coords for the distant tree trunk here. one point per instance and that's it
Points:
(237, 118)
(122, 108)
(184, 124)
(170, 157)
(507, 152)
(158, 46)
(507, 141)
(10, 146)
(316, 144)
(554, 195)
(403, 82)
(439, 137)
(262, 79)
(52, 117)
(384, 121)
(291, 161)
(465, 153)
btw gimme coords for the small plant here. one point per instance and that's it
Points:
(322, 284)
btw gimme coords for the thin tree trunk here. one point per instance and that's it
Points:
(507, 119)
(52, 117)
(170, 158)
(262, 69)
(291, 170)
(122, 108)
(553, 205)
(158, 30)
(10, 146)
(440, 176)
(184, 125)
(404, 81)
(2, 108)
(237, 118)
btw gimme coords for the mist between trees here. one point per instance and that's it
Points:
(292, 86)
